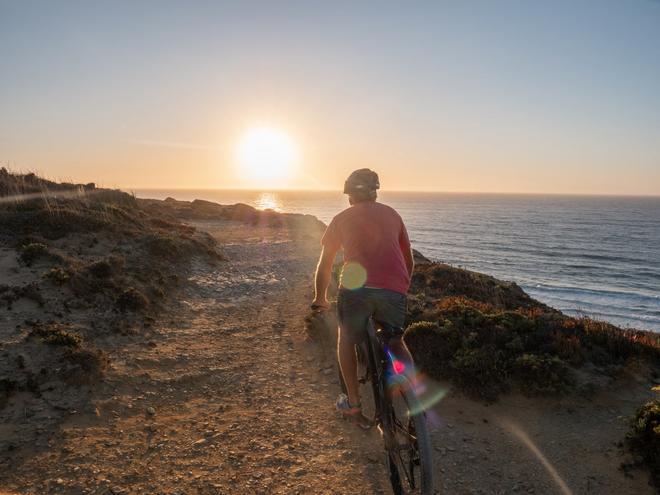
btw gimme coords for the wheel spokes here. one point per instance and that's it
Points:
(404, 448)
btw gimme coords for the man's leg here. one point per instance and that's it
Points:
(348, 365)
(353, 310)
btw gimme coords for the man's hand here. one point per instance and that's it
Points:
(322, 280)
(320, 305)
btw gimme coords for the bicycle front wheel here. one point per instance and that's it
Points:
(408, 442)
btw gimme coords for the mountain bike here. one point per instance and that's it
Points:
(389, 400)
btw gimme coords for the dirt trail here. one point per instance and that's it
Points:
(226, 396)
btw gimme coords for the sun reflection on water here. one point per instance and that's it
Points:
(269, 201)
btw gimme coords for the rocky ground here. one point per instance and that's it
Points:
(225, 393)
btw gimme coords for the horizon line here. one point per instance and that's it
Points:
(396, 191)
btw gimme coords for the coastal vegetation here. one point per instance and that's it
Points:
(644, 437)
(81, 265)
(489, 337)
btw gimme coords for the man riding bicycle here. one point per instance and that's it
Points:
(378, 264)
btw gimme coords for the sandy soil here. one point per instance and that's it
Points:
(226, 395)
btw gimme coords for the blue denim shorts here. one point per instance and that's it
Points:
(354, 307)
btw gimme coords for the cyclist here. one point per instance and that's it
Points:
(378, 264)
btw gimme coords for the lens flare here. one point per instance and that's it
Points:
(407, 378)
(527, 442)
(398, 367)
(353, 275)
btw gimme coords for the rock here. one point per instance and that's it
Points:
(419, 257)
(151, 411)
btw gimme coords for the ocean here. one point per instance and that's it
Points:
(584, 255)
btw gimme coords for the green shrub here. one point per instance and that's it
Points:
(31, 252)
(132, 299)
(542, 375)
(480, 371)
(57, 275)
(643, 438)
(55, 335)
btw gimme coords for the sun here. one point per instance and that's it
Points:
(266, 155)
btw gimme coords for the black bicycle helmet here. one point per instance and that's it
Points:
(362, 182)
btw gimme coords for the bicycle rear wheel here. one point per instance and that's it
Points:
(408, 443)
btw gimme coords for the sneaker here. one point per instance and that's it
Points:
(352, 413)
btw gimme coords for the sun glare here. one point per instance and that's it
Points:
(266, 154)
(269, 201)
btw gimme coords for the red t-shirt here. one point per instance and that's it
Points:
(374, 238)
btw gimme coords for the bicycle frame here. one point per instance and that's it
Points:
(378, 367)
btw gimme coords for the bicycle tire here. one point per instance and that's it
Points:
(415, 423)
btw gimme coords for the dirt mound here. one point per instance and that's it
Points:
(81, 267)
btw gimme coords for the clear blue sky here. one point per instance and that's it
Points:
(511, 96)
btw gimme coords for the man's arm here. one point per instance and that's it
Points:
(406, 249)
(322, 279)
(410, 261)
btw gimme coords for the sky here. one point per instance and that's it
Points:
(462, 95)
